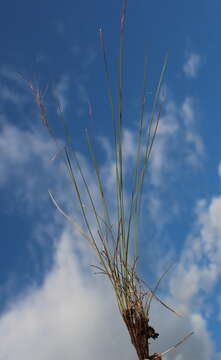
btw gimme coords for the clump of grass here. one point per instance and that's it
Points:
(116, 245)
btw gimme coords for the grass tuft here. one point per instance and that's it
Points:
(116, 245)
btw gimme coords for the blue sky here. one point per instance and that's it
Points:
(51, 304)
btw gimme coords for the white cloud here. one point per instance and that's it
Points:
(192, 64)
(172, 329)
(194, 281)
(165, 140)
(177, 140)
(192, 284)
(199, 267)
(66, 318)
(195, 147)
(24, 154)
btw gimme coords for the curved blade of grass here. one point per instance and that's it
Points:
(74, 223)
(177, 344)
(158, 283)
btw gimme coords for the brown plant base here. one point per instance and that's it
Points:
(140, 332)
(155, 357)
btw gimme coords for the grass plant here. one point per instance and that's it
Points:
(116, 244)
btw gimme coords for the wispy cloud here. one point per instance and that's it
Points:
(7, 95)
(166, 138)
(195, 147)
(10, 74)
(178, 130)
(11, 89)
(192, 65)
